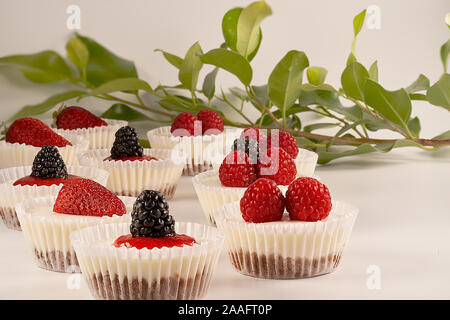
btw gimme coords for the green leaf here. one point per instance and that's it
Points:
(351, 58)
(358, 22)
(414, 126)
(353, 79)
(190, 67)
(422, 83)
(125, 84)
(304, 142)
(41, 67)
(103, 65)
(262, 93)
(78, 54)
(418, 96)
(248, 33)
(174, 60)
(373, 71)
(443, 136)
(209, 84)
(120, 111)
(317, 126)
(316, 75)
(231, 62)
(445, 52)
(45, 106)
(145, 143)
(229, 30)
(393, 105)
(286, 78)
(173, 103)
(439, 93)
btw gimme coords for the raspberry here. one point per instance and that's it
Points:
(237, 171)
(212, 122)
(262, 202)
(255, 134)
(126, 144)
(277, 165)
(185, 125)
(248, 146)
(285, 141)
(308, 200)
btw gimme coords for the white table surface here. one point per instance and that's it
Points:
(403, 229)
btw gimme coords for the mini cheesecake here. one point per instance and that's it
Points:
(149, 259)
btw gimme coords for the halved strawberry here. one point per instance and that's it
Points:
(35, 133)
(76, 118)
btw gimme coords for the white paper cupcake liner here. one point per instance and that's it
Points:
(98, 137)
(130, 178)
(306, 162)
(212, 195)
(20, 154)
(11, 195)
(286, 249)
(48, 235)
(201, 152)
(128, 273)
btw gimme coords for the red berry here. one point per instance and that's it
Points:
(308, 200)
(285, 141)
(185, 124)
(76, 118)
(262, 202)
(35, 133)
(87, 198)
(277, 165)
(255, 134)
(236, 170)
(212, 122)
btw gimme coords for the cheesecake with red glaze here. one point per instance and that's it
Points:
(148, 259)
(134, 169)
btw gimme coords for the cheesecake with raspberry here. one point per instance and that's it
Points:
(47, 222)
(47, 175)
(149, 259)
(133, 169)
(203, 139)
(77, 120)
(300, 235)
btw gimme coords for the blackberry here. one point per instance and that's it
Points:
(49, 164)
(150, 216)
(248, 146)
(126, 144)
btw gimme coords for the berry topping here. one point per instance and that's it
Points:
(262, 202)
(126, 144)
(285, 141)
(87, 198)
(212, 122)
(35, 181)
(150, 216)
(308, 200)
(277, 165)
(248, 146)
(49, 164)
(255, 134)
(143, 158)
(237, 171)
(35, 133)
(76, 118)
(177, 240)
(185, 124)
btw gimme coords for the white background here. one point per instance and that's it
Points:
(403, 196)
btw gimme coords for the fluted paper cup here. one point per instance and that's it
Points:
(130, 178)
(160, 273)
(47, 233)
(11, 195)
(286, 249)
(201, 152)
(21, 154)
(99, 137)
(306, 162)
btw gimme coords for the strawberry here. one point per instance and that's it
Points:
(35, 133)
(76, 118)
(86, 197)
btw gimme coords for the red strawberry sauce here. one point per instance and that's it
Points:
(177, 240)
(134, 158)
(32, 180)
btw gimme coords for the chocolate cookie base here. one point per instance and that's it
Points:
(278, 267)
(9, 217)
(192, 169)
(167, 192)
(174, 288)
(56, 260)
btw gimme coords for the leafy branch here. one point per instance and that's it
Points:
(282, 102)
